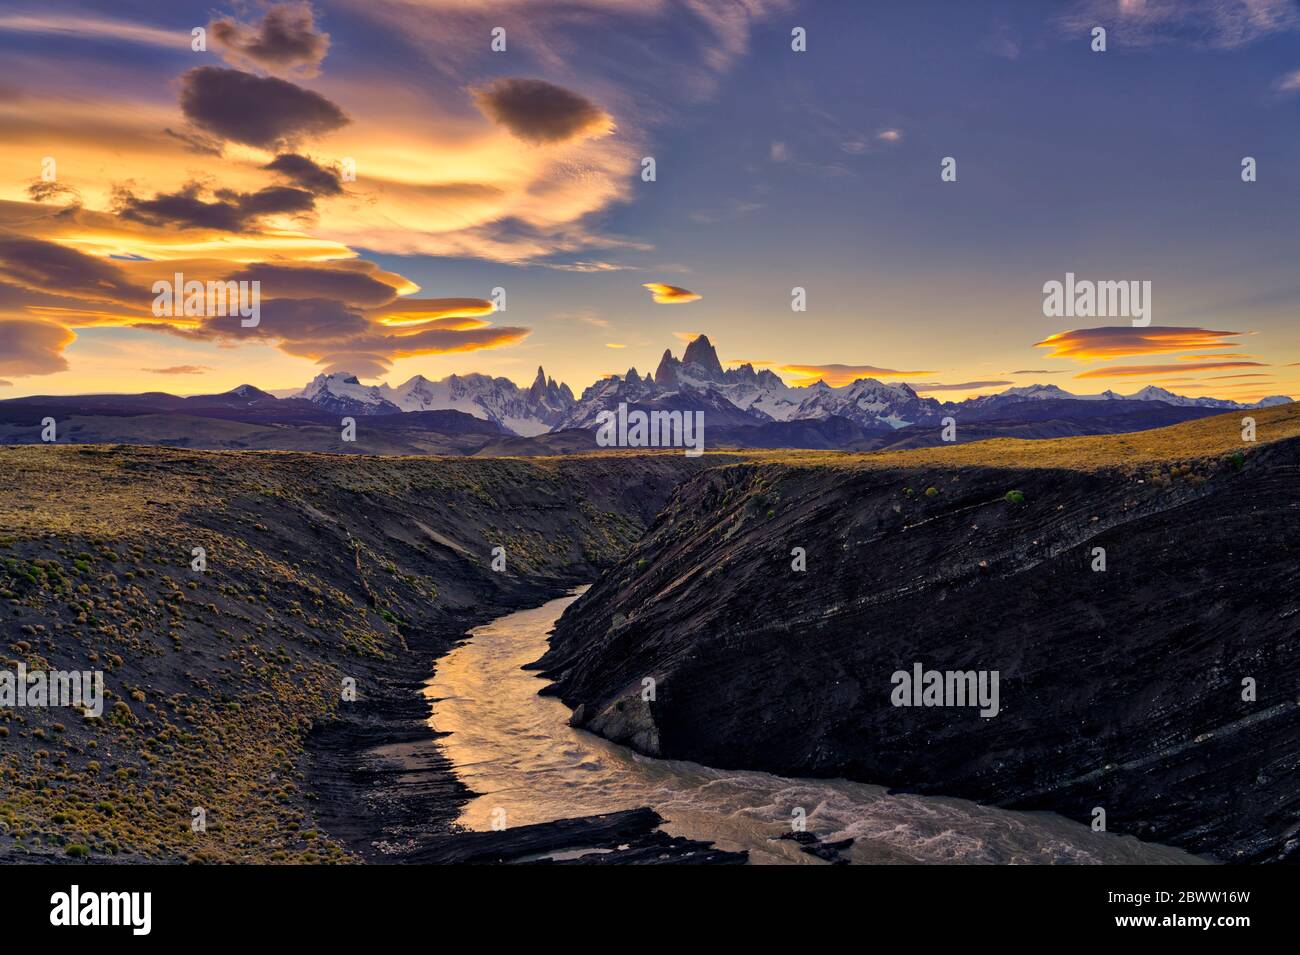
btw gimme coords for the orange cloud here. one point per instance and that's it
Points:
(1139, 371)
(343, 338)
(670, 294)
(103, 234)
(926, 387)
(356, 282)
(1088, 344)
(836, 375)
(346, 314)
(178, 370)
(33, 348)
(429, 178)
(454, 313)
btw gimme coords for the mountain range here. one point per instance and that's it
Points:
(520, 411)
(485, 416)
(731, 397)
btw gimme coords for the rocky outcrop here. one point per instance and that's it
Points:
(1162, 690)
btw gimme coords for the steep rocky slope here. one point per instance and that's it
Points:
(1120, 689)
(225, 686)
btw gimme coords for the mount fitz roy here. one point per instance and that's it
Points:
(729, 397)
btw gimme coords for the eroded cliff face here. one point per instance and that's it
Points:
(1119, 689)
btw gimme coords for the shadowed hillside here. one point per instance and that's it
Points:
(1120, 689)
(319, 567)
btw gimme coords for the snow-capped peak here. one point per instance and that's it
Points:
(1043, 392)
(521, 411)
(343, 393)
(697, 379)
(1149, 393)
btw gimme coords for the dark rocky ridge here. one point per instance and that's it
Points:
(1119, 689)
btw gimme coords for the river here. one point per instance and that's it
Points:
(517, 749)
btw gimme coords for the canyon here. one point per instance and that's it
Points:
(1120, 689)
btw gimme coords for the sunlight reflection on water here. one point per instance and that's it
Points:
(517, 749)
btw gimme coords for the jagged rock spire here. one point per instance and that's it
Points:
(702, 354)
(666, 373)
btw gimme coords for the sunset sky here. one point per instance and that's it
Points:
(521, 169)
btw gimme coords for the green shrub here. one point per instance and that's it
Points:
(1015, 497)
